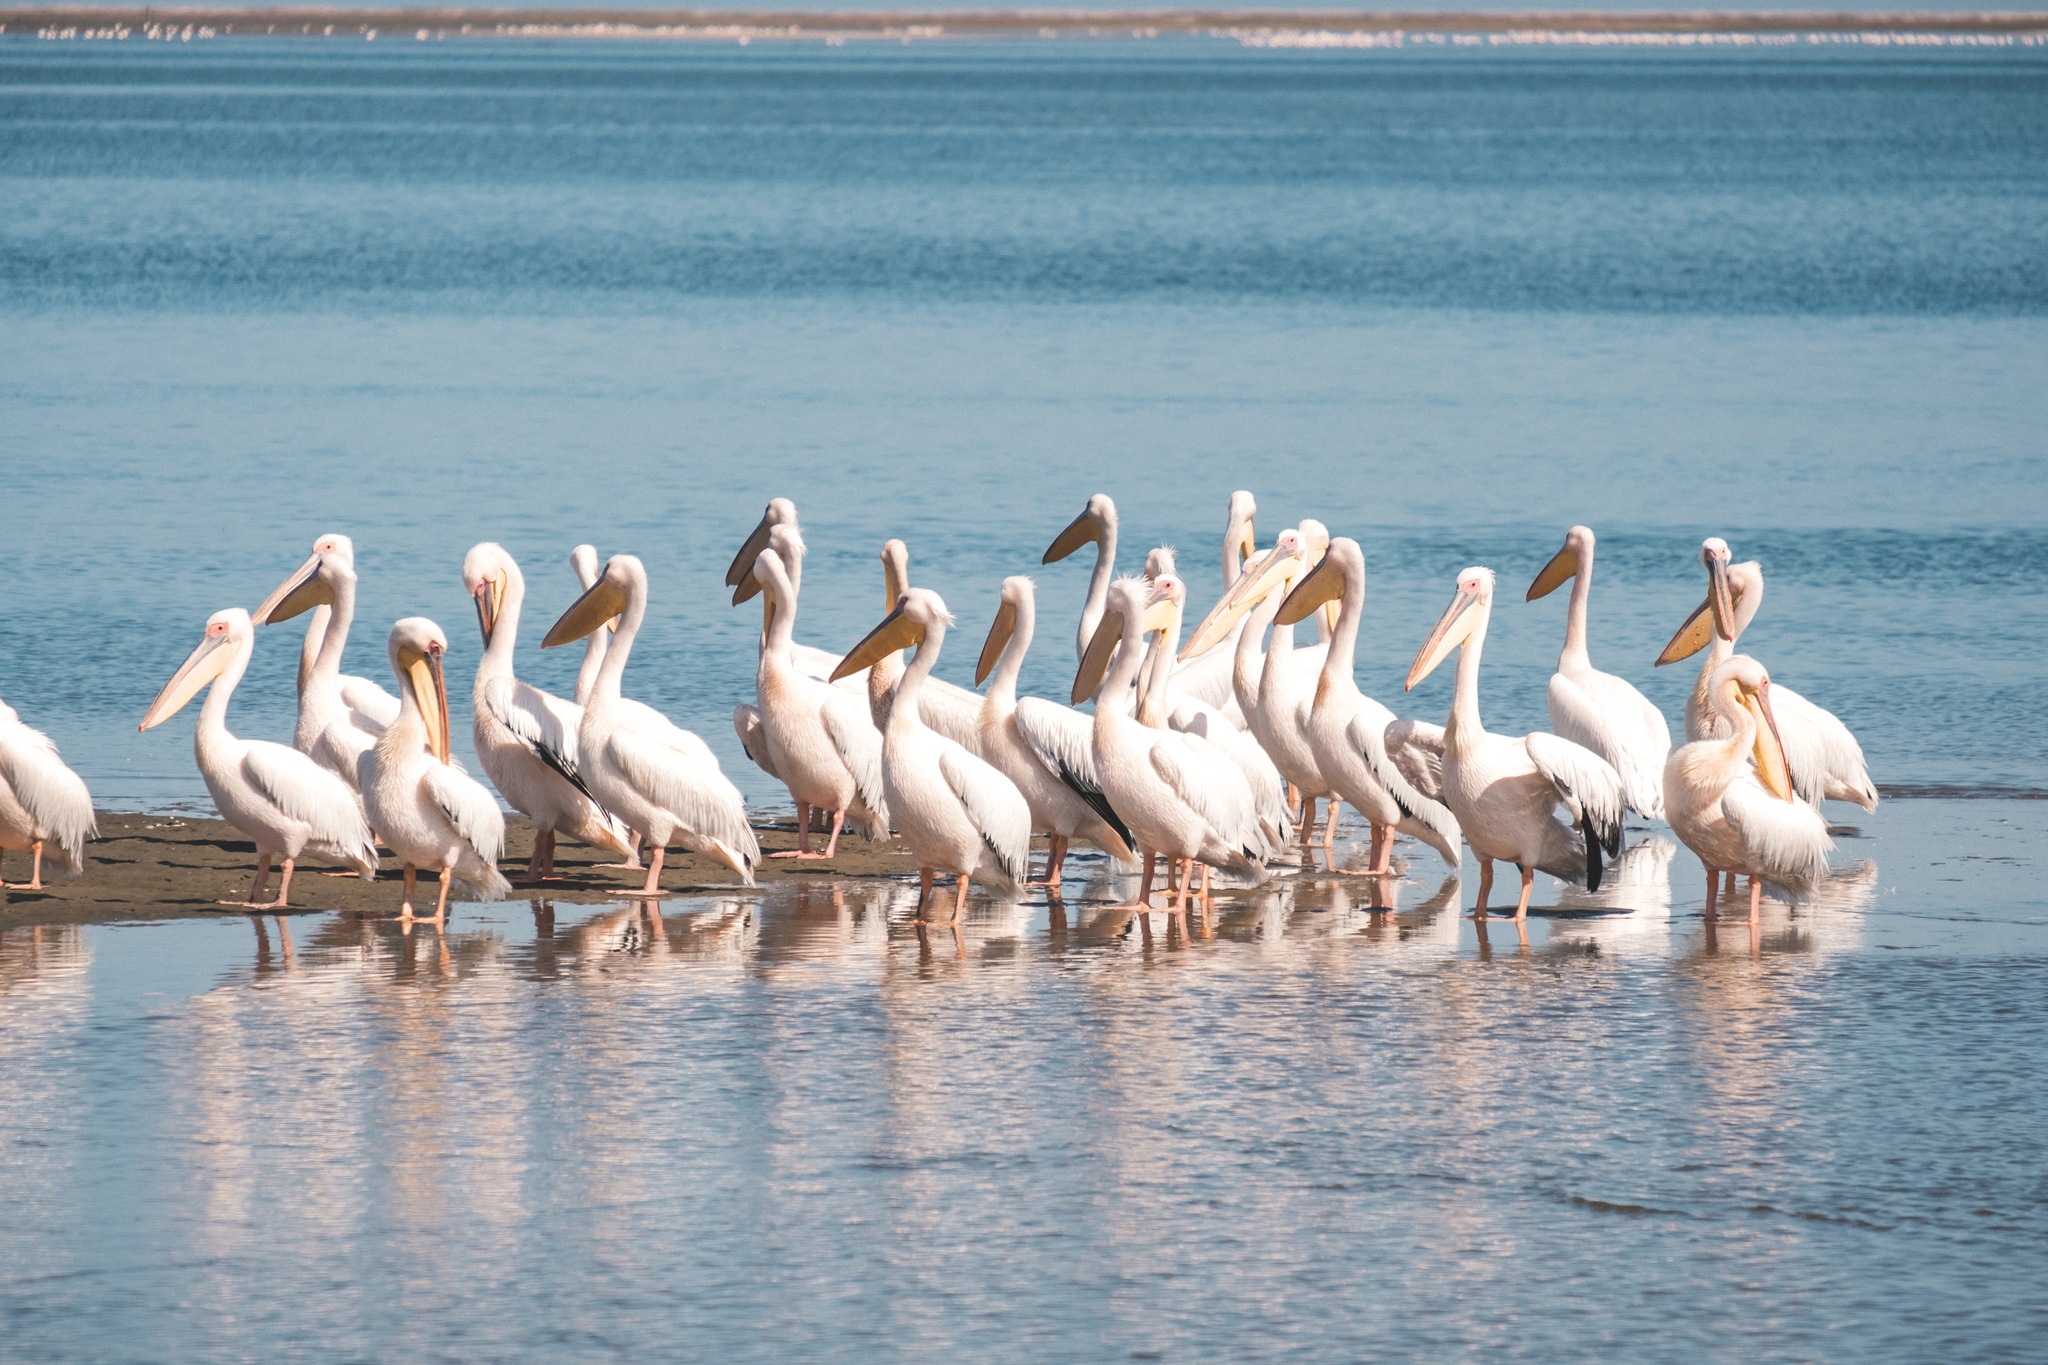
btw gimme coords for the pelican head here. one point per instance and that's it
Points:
(1147, 604)
(1475, 589)
(915, 614)
(1564, 565)
(487, 572)
(1745, 683)
(1238, 538)
(1017, 598)
(779, 512)
(1095, 526)
(1342, 559)
(224, 631)
(1278, 570)
(786, 543)
(583, 560)
(417, 647)
(895, 573)
(1715, 616)
(601, 602)
(1159, 562)
(312, 583)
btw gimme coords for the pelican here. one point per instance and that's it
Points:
(1180, 798)
(42, 802)
(1827, 763)
(1095, 526)
(1596, 710)
(525, 738)
(661, 780)
(424, 807)
(819, 739)
(958, 814)
(1738, 818)
(1358, 750)
(1503, 791)
(1017, 732)
(277, 796)
(340, 717)
(583, 560)
(946, 707)
(1208, 674)
(787, 541)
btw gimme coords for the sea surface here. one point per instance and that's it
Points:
(1448, 302)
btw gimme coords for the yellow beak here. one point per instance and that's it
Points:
(302, 592)
(896, 632)
(1277, 570)
(1714, 616)
(423, 671)
(1161, 615)
(998, 640)
(1323, 584)
(1769, 751)
(201, 667)
(1450, 632)
(490, 601)
(1082, 530)
(1563, 566)
(743, 563)
(604, 600)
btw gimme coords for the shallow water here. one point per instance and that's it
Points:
(787, 1123)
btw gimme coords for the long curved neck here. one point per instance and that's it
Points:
(328, 665)
(1575, 618)
(316, 636)
(1246, 667)
(593, 660)
(1730, 754)
(1114, 696)
(915, 672)
(1098, 587)
(213, 715)
(1152, 706)
(497, 659)
(1465, 727)
(1342, 658)
(614, 667)
(781, 633)
(1002, 685)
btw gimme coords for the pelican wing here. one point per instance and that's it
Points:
(859, 744)
(1417, 750)
(746, 723)
(1063, 739)
(546, 725)
(1585, 782)
(1368, 731)
(1209, 784)
(469, 807)
(951, 710)
(1207, 678)
(678, 772)
(1825, 759)
(53, 795)
(1267, 789)
(1788, 839)
(994, 806)
(1609, 716)
(817, 663)
(304, 791)
(375, 708)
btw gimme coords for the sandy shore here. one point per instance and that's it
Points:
(145, 867)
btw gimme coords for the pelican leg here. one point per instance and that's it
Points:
(924, 889)
(1756, 897)
(1145, 882)
(1330, 831)
(803, 835)
(1307, 820)
(441, 901)
(1385, 864)
(838, 822)
(405, 897)
(256, 889)
(35, 871)
(542, 863)
(1206, 893)
(1293, 802)
(284, 890)
(960, 899)
(1713, 892)
(1522, 905)
(653, 886)
(1055, 858)
(1485, 887)
(1728, 887)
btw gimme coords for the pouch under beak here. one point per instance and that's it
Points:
(300, 593)
(1772, 768)
(201, 667)
(604, 600)
(998, 640)
(742, 564)
(1082, 530)
(423, 670)
(1450, 632)
(896, 632)
(1323, 584)
(1562, 568)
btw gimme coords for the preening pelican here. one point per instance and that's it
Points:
(525, 738)
(945, 707)
(1381, 766)
(1740, 819)
(958, 814)
(583, 559)
(661, 780)
(42, 802)
(340, 716)
(818, 737)
(1016, 734)
(277, 796)
(1179, 798)
(1598, 710)
(1505, 791)
(1827, 762)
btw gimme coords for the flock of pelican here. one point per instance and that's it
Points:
(1199, 756)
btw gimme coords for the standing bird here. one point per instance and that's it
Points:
(1598, 710)
(958, 814)
(661, 780)
(1016, 733)
(277, 796)
(819, 739)
(340, 716)
(1827, 762)
(945, 707)
(583, 560)
(424, 807)
(1740, 819)
(1096, 525)
(525, 738)
(1504, 791)
(42, 802)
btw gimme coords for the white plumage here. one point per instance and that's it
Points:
(340, 716)
(45, 810)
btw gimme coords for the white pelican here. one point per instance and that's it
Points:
(957, 814)
(1207, 674)
(1827, 762)
(423, 806)
(1504, 791)
(948, 708)
(1016, 733)
(583, 560)
(525, 738)
(1740, 819)
(42, 802)
(818, 737)
(340, 716)
(1598, 710)
(277, 796)
(1181, 799)
(1358, 749)
(661, 780)
(787, 542)
(1095, 526)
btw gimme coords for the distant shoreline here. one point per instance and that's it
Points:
(1264, 28)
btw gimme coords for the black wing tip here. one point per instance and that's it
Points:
(1593, 842)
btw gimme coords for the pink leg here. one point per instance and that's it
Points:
(1522, 905)
(803, 835)
(1485, 887)
(35, 872)
(256, 890)
(1756, 898)
(1308, 821)
(960, 899)
(653, 886)
(1713, 892)
(832, 844)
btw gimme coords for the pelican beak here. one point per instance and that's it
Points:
(743, 563)
(201, 667)
(1276, 570)
(1563, 566)
(1450, 632)
(423, 671)
(302, 592)
(1323, 584)
(1716, 615)
(1721, 599)
(998, 640)
(749, 588)
(603, 601)
(896, 632)
(1082, 530)
(1247, 543)
(1771, 768)
(1095, 660)
(490, 601)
